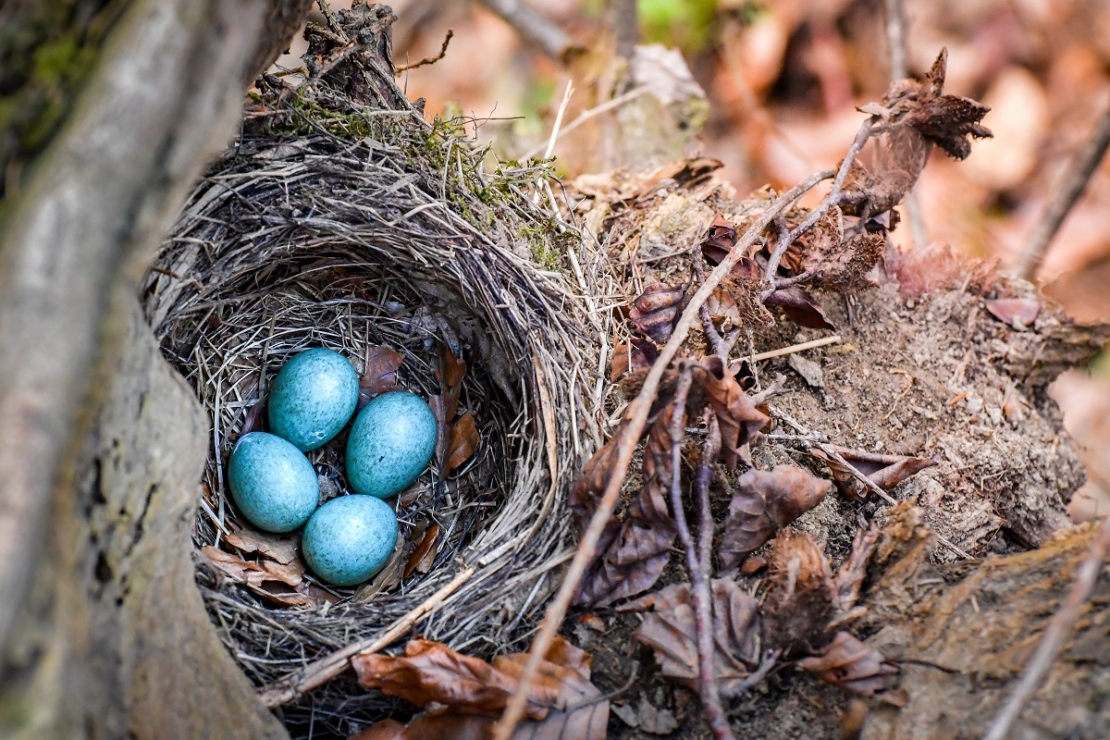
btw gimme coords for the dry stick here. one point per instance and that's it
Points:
(700, 568)
(899, 70)
(325, 669)
(636, 418)
(1082, 167)
(811, 439)
(812, 344)
(699, 581)
(1059, 630)
(833, 198)
(591, 113)
(428, 60)
(531, 25)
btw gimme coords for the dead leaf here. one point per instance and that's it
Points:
(800, 307)
(425, 553)
(852, 665)
(638, 354)
(450, 374)
(852, 572)
(256, 418)
(736, 411)
(462, 440)
(810, 371)
(885, 471)
(379, 373)
(275, 547)
(723, 309)
(561, 703)
(1019, 313)
(765, 502)
(280, 583)
(670, 632)
(719, 239)
(632, 553)
(647, 718)
(656, 310)
(799, 603)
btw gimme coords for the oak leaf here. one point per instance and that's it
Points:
(765, 502)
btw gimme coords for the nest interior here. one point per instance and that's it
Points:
(376, 228)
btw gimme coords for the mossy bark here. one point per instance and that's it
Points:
(101, 631)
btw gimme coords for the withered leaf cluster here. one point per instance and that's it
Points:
(762, 504)
(850, 664)
(465, 695)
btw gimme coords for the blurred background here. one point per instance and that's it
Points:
(782, 79)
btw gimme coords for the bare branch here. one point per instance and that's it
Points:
(532, 26)
(429, 60)
(1079, 173)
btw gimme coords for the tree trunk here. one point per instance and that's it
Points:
(101, 631)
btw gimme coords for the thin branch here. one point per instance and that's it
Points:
(700, 568)
(899, 70)
(812, 344)
(320, 672)
(699, 579)
(429, 60)
(1082, 167)
(833, 198)
(1059, 629)
(591, 113)
(636, 418)
(533, 27)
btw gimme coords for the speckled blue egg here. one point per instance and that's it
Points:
(349, 539)
(391, 442)
(272, 482)
(313, 396)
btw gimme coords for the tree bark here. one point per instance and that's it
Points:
(164, 95)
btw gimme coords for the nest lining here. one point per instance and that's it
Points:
(393, 239)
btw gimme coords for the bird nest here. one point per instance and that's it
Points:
(331, 224)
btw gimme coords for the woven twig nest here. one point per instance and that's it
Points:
(378, 229)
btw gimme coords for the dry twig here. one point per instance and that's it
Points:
(428, 60)
(1059, 629)
(533, 26)
(1082, 167)
(636, 418)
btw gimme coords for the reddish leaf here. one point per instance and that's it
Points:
(852, 665)
(425, 553)
(380, 373)
(631, 554)
(671, 633)
(432, 672)
(638, 354)
(450, 374)
(885, 471)
(1016, 312)
(656, 311)
(462, 440)
(256, 418)
(802, 308)
(736, 411)
(763, 503)
(800, 600)
(719, 239)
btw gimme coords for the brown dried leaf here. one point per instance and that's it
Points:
(719, 239)
(638, 354)
(885, 471)
(632, 554)
(432, 672)
(736, 411)
(800, 307)
(852, 665)
(1019, 313)
(670, 632)
(275, 547)
(281, 583)
(379, 373)
(425, 553)
(450, 374)
(799, 603)
(723, 309)
(462, 440)
(765, 502)
(256, 418)
(657, 309)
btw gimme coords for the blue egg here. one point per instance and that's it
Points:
(349, 539)
(391, 442)
(313, 396)
(272, 482)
